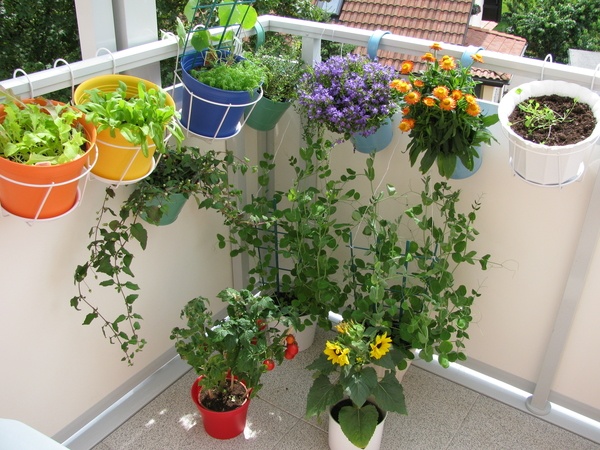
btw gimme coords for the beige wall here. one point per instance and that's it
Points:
(52, 368)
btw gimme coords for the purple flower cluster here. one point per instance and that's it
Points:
(348, 94)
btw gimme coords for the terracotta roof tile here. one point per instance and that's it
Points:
(443, 21)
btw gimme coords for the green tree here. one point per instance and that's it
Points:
(35, 33)
(552, 27)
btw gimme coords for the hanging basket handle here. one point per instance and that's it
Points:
(373, 44)
(466, 59)
(260, 34)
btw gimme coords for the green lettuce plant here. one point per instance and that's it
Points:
(40, 131)
(146, 115)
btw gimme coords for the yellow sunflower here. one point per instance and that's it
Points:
(382, 345)
(336, 354)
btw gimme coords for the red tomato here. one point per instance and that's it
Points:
(291, 351)
(269, 363)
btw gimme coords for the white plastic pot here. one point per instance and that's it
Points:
(547, 165)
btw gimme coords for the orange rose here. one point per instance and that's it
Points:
(447, 63)
(473, 109)
(470, 98)
(457, 94)
(429, 101)
(477, 57)
(401, 86)
(428, 57)
(448, 104)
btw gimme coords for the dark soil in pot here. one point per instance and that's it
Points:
(578, 123)
(224, 400)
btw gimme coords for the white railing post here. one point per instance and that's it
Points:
(95, 22)
(136, 24)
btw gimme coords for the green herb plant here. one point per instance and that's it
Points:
(231, 75)
(280, 57)
(118, 227)
(40, 131)
(146, 115)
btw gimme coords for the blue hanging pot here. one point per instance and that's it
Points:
(208, 111)
(461, 172)
(376, 141)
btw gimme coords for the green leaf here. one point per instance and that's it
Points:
(89, 318)
(322, 394)
(361, 384)
(358, 424)
(389, 394)
(140, 234)
(446, 347)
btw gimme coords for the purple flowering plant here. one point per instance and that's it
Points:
(348, 94)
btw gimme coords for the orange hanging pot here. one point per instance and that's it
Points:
(44, 191)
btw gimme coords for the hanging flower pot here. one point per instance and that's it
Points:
(221, 425)
(461, 171)
(209, 111)
(172, 203)
(266, 114)
(538, 163)
(375, 142)
(337, 438)
(45, 190)
(118, 158)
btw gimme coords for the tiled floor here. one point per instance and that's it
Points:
(441, 415)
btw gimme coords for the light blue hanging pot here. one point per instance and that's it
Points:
(384, 134)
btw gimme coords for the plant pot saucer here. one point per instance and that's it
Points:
(576, 177)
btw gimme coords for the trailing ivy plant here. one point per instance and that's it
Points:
(118, 227)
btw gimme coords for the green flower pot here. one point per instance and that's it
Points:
(266, 114)
(174, 203)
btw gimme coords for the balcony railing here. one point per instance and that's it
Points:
(64, 76)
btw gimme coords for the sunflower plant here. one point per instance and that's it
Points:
(441, 112)
(346, 369)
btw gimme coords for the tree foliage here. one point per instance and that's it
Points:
(35, 33)
(552, 27)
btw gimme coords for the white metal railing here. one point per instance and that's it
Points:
(65, 76)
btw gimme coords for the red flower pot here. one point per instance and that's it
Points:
(221, 425)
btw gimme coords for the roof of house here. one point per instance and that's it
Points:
(444, 21)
